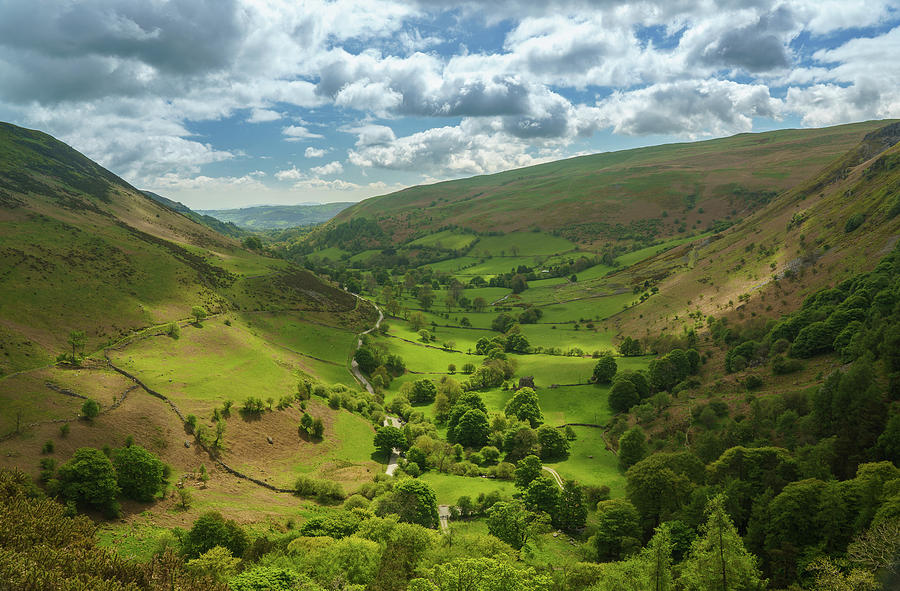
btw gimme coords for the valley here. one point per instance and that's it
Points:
(595, 371)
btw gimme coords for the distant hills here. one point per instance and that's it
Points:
(277, 217)
(640, 195)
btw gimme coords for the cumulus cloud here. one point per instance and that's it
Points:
(263, 116)
(126, 80)
(328, 169)
(297, 133)
(691, 108)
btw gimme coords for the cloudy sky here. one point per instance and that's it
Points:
(223, 103)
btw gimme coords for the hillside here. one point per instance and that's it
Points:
(81, 249)
(639, 195)
(276, 217)
(226, 228)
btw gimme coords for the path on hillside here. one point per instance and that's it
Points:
(390, 421)
(354, 366)
(555, 475)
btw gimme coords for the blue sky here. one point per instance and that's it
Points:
(228, 103)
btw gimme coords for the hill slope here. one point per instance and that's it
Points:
(221, 227)
(81, 249)
(642, 194)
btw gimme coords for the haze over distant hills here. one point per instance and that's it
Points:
(276, 217)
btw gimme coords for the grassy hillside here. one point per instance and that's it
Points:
(80, 249)
(221, 227)
(274, 217)
(643, 193)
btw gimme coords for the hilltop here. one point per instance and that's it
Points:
(638, 195)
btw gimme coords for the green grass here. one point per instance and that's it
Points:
(211, 364)
(448, 239)
(522, 243)
(595, 309)
(332, 253)
(601, 469)
(637, 256)
(425, 359)
(449, 487)
(325, 342)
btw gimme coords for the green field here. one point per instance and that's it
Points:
(590, 463)
(523, 243)
(208, 365)
(449, 487)
(447, 239)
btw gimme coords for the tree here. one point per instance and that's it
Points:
(185, 498)
(518, 283)
(571, 511)
(365, 360)
(388, 437)
(90, 409)
(511, 522)
(318, 428)
(479, 304)
(527, 470)
(605, 370)
(89, 478)
(417, 321)
(426, 296)
(660, 484)
(216, 562)
(631, 347)
(473, 429)
(524, 406)
(423, 391)
(199, 313)
(718, 560)
(140, 473)
(503, 322)
(211, 530)
(77, 341)
(618, 529)
(632, 448)
(413, 501)
(622, 396)
(542, 495)
(554, 445)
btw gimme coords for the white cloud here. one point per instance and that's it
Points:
(263, 116)
(297, 133)
(125, 81)
(328, 169)
(291, 174)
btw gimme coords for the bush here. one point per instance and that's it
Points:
(783, 366)
(173, 330)
(48, 447)
(605, 370)
(423, 391)
(623, 396)
(140, 473)
(753, 382)
(89, 477)
(853, 222)
(253, 406)
(90, 409)
(211, 530)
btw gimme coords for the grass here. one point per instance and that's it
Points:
(449, 488)
(448, 239)
(208, 365)
(524, 244)
(590, 463)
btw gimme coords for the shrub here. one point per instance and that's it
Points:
(48, 447)
(853, 222)
(89, 477)
(139, 472)
(90, 409)
(211, 530)
(783, 366)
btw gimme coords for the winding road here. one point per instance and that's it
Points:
(555, 475)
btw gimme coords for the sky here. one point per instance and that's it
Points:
(230, 103)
